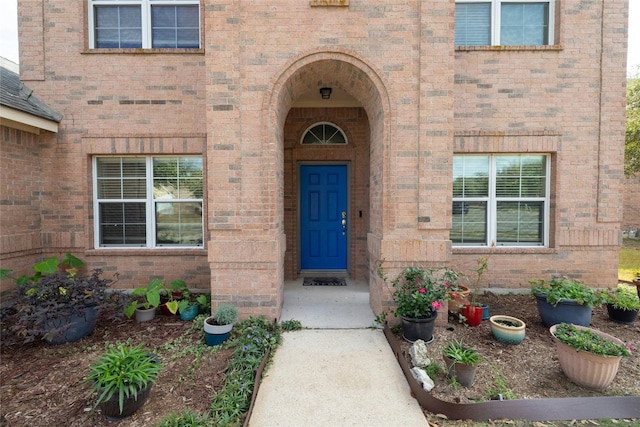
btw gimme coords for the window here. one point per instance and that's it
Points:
(148, 201)
(500, 198)
(504, 22)
(144, 24)
(324, 133)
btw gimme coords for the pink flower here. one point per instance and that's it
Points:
(446, 285)
(454, 295)
(436, 305)
(422, 290)
(630, 347)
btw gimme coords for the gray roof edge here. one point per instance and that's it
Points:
(18, 96)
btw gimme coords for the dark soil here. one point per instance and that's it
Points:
(530, 369)
(42, 385)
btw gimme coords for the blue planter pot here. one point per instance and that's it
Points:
(215, 339)
(189, 313)
(566, 311)
(69, 329)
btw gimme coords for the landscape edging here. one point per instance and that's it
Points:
(551, 409)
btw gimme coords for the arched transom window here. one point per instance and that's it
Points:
(324, 133)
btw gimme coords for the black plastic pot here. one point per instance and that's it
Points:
(622, 315)
(111, 408)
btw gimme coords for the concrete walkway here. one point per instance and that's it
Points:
(340, 373)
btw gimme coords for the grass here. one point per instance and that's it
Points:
(629, 266)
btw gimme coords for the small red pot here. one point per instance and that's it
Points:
(473, 314)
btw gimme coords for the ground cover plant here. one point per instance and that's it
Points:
(198, 385)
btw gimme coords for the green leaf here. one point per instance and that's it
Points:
(172, 306)
(72, 261)
(4, 273)
(49, 266)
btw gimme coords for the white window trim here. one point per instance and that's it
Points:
(150, 211)
(145, 6)
(496, 17)
(492, 204)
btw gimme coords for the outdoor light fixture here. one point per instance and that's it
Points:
(325, 92)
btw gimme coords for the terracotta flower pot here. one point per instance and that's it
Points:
(587, 369)
(458, 299)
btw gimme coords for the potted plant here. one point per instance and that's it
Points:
(473, 311)
(171, 296)
(564, 300)
(218, 326)
(507, 329)
(622, 303)
(418, 293)
(145, 301)
(587, 356)
(189, 305)
(56, 303)
(461, 362)
(123, 377)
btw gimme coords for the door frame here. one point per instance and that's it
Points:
(341, 272)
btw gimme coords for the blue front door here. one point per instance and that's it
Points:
(323, 217)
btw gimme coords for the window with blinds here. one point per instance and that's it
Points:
(148, 201)
(501, 199)
(144, 24)
(503, 22)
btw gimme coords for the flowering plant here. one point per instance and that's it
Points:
(584, 339)
(419, 292)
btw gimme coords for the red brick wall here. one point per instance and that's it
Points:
(424, 100)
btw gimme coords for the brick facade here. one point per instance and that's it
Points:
(420, 100)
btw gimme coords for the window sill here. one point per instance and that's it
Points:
(200, 251)
(140, 51)
(545, 48)
(506, 250)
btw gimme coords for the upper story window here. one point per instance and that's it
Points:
(501, 199)
(148, 201)
(144, 24)
(324, 133)
(504, 22)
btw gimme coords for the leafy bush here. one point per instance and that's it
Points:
(562, 288)
(587, 340)
(55, 292)
(624, 297)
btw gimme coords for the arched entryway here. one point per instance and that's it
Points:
(361, 109)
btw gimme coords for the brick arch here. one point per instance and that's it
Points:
(339, 69)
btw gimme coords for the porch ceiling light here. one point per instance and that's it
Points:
(325, 92)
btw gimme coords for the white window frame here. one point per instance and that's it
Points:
(492, 203)
(496, 17)
(149, 201)
(145, 6)
(324, 141)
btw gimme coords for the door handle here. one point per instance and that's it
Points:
(344, 223)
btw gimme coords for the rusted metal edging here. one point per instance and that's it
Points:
(553, 409)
